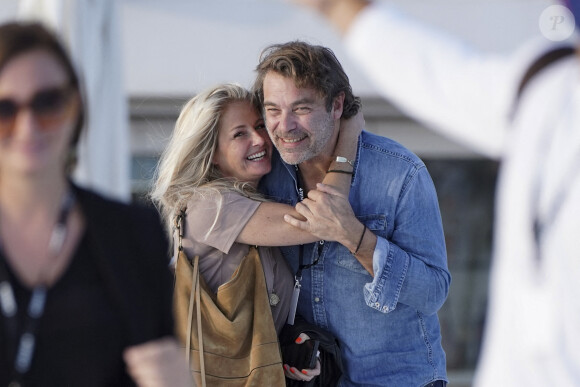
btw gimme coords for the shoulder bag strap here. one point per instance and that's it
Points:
(199, 330)
(195, 294)
(536, 67)
(541, 63)
(190, 316)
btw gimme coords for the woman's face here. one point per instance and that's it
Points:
(244, 150)
(38, 113)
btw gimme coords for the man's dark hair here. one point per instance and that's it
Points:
(309, 66)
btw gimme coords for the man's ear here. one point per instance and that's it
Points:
(338, 105)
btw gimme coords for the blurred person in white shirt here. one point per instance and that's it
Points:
(533, 128)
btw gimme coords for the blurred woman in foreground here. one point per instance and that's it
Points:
(82, 278)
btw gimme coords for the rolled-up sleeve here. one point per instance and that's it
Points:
(411, 266)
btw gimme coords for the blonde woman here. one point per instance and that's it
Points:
(211, 168)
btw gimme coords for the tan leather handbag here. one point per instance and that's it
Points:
(229, 337)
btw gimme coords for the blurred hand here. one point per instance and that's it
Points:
(317, 5)
(158, 363)
(341, 13)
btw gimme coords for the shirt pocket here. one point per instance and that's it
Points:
(376, 223)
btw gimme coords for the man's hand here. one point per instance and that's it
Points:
(330, 217)
(328, 214)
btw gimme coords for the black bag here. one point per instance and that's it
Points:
(330, 357)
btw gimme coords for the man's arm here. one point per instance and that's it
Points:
(412, 262)
(411, 266)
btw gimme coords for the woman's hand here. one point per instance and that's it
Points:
(352, 127)
(304, 375)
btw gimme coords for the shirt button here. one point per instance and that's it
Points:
(317, 299)
(377, 305)
(385, 308)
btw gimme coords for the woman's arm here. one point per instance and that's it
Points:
(267, 226)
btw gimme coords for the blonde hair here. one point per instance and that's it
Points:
(185, 168)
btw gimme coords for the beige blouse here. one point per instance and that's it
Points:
(213, 222)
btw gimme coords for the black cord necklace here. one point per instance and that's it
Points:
(25, 345)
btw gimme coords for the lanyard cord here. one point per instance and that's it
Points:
(301, 265)
(8, 307)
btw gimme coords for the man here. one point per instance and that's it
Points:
(523, 110)
(380, 296)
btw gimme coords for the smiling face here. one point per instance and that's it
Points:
(244, 150)
(39, 136)
(297, 120)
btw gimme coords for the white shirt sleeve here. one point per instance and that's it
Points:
(435, 78)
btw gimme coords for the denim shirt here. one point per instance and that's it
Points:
(387, 325)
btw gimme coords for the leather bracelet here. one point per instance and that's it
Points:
(360, 241)
(338, 171)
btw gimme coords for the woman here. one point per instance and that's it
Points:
(211, 168)
(81, 278)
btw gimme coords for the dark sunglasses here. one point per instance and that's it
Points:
(50, 108)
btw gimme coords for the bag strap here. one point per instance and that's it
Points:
(542, 62)
(190, 315)
(195, 294)
(195, 288)
(536, 67)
